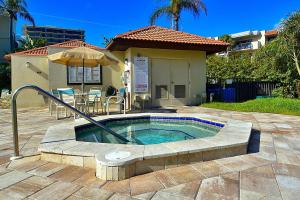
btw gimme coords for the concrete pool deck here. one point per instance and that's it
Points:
(60, 145)
(271, 173)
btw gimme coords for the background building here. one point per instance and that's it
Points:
(54, 35)
(5, 37)
(251, 40)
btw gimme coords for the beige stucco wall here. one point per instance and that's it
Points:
(37, 74)
(111, 75)
(195, 59)
(55, 75)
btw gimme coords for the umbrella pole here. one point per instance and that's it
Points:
(82, 84)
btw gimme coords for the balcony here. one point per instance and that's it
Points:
(243, 46)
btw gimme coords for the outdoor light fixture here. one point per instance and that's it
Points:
(27, 64)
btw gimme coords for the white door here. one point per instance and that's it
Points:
(169, 82)
(179, 82)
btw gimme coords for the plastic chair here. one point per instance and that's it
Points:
(118, 99)
(94, 98)
(5, 93)
(67, 95)
(55, 106)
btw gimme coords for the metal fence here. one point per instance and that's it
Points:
(239, 90)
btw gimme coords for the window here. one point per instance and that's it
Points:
(92, 75)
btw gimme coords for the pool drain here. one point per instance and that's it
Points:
(117, 155)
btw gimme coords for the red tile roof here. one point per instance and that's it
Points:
(157, 33)
(273, 32)
(160, 34)
(43, 51)
(74, 44)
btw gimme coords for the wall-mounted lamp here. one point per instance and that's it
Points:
(27, 64)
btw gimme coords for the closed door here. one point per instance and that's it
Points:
(169, 82)
(179, 82)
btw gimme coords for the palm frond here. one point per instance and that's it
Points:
(203, 7)
(165, 10)
(26, 15)
(196, 6)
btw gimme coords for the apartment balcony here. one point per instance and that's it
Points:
(243, 46)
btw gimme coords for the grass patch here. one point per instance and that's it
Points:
(266, 105)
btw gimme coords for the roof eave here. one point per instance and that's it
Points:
(123, 44)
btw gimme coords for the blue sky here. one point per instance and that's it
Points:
(107, 18)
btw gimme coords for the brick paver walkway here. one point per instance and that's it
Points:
(271, 173)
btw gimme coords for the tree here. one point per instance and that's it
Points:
(27, 43)
(13, 9)
(106, 40)
(228, 39)
(173, 11)
(290, 37)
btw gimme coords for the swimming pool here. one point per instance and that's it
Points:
(158, 141)
(150, 130)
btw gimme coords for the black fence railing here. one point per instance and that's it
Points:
(239, 90)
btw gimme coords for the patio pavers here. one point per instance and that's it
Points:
(220, 187)
(271, 173)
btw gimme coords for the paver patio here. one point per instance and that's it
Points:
(271, 173)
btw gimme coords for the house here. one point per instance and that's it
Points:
(5, 36)
(251, 40)
(165, 65)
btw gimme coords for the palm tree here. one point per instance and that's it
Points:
(13, 9)
(227, 38)
(173, 11)
(27, 43)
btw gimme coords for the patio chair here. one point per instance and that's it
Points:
(94, 98)
(55, 106)
(67, 95)
(5, 93)
(118, 99)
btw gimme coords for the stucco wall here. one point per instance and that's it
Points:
(37, 73)
(111, 75)
(54, 76)
(197, 64)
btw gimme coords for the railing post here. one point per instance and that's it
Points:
(15, 126)
(43, 92)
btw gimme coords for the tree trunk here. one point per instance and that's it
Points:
(296, 62)
(11, 36)
(176, 22)
(298, 88)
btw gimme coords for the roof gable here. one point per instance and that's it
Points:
(43, 51)
(164, 35)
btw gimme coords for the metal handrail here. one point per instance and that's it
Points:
(15, 118)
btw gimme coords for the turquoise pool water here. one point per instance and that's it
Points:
(149, 131)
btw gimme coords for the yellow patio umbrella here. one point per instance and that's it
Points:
(83, 57)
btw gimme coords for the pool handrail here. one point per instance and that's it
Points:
(45, 93)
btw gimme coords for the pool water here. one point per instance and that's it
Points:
(148, 131)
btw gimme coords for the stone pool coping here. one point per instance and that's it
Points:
(61, 139)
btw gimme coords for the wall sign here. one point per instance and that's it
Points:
(141, 83)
